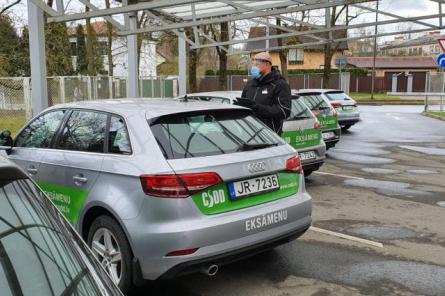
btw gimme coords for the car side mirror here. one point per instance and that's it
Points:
(6, 141)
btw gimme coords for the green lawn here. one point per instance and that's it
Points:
(439, 114)
(377, 97)
(12, 120)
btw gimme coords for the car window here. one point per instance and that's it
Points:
(39, 253)
(210, 133)
(314, 101)
(84, 131)
(40, 132)
(299, 110)
(118, 140)
(338, 96)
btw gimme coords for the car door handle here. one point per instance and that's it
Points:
(32, 170)
(80, 180)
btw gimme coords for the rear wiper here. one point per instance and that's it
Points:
(248, 147)
(299, 117)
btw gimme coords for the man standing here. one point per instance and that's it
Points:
(267, 93)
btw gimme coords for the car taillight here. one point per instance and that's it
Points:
(294, 165)
(316, 113)
(178, 186)
(335, 114)
(336, 104)
(317, 125)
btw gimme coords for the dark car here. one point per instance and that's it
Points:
(40, 253)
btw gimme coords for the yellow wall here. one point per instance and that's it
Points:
(312, 60)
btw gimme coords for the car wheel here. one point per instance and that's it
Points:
(109, 244)
(345, 128)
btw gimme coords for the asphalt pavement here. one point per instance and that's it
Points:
(384, 182)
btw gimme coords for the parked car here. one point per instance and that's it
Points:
(346, 107)
(301, 130)
(325, 113)
(162, 187)
(40, 252)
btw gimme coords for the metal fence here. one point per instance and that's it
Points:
(15, 93)
(299, 81)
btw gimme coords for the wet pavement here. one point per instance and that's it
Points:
(384, 181)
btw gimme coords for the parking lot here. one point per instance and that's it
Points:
(384, 183)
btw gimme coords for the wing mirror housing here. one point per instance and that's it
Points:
(6, 141)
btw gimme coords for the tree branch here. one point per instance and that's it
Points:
(4, 9)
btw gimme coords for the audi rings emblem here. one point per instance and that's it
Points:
(256, 167)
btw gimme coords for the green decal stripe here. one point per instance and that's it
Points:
(216, 199)
(302, 139)
(328, 122)
(341, 110)
(68, 200)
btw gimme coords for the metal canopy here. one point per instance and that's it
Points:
(178, 15)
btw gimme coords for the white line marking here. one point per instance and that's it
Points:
(338, 175)
(348, 237)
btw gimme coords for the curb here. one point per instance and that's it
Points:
(433, 116)
(383, 102)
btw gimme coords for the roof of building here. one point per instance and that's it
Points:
(100, 27)
(424, 40)
(393, 62)
(261, 32)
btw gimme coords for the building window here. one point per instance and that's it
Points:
(420, 50)
(103, 48)
(73, 49)
(296, 56)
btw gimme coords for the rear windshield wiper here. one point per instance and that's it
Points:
(248, 147)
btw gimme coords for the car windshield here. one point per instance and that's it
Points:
(299, 110)
(40, 254)
(314, 101)
(209, 133)
(337, 96)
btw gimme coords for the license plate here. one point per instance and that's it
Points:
(348, 107)
(253, 186)
(307, 155)
(328, 135)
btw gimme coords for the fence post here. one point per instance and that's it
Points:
(27, 97)
(427, 87)
(89, 90)
(152, 87)
(110, 86)
(62, 89)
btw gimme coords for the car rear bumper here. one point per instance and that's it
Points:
(236, 255)
(216, 236)
(316, 163)
(348, 118)
(330, 142)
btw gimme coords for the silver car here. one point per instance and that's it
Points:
(40, 252)
(160, 188)
(301, 130)
(346, 107)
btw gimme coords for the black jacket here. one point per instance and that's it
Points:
(272, 96)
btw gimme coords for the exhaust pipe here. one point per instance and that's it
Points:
(210, 270)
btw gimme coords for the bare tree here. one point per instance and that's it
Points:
(222, 35)
(5, 8)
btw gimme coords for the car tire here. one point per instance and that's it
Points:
(307, 173)
(101, 227)
(345, 127)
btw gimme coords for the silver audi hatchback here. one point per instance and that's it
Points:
(160, 188)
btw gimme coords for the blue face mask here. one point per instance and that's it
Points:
(255, 72)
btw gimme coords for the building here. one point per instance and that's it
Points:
(386, 67)
(360, 48)
(423, 46)
(309, 57)
(148, 61)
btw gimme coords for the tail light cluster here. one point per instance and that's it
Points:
(178, 186)
(317, 125)
(294, 165)
(336, 104)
